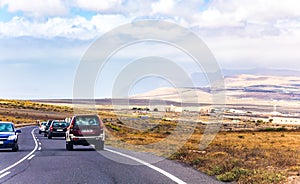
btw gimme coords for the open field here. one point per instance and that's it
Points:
(265, 155)
(269, 156)
(28, 113)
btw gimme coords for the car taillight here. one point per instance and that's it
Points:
(51, 128)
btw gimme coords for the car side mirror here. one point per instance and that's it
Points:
(18, 131)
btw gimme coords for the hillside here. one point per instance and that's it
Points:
(240, 90)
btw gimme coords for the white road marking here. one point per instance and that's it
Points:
(40, 143)
(30, 157)
(24, 158)
(4, 174)
(172, 177)
(40, 148)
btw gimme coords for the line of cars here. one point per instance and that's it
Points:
(53, 128)
(81, 130)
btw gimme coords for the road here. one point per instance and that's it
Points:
(41, 160)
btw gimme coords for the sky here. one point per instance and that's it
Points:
(43, 41)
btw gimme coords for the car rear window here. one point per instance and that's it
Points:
(6, 127)
(60, 124)
(87, 120)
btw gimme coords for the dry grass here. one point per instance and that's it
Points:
(244, 157)
(23, 112)
(248, 157)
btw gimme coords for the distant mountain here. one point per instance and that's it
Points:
(264, 90)
(200, 79)
(261, 71)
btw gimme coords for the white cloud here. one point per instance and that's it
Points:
(98, 5)
(259, 10)
(36, 8)
(176, 9)
(163, 6)
(244, 52)
(105, 23)
(233, 13)
(74, 28)
(236, 31)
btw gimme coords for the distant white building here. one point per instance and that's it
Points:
(279, 118)
(286, 120)
(237, 111)
(173, 108)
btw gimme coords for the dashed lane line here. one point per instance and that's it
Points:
(4, 171)
(30, 157)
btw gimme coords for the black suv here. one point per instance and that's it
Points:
(57, 128)
(85, 130)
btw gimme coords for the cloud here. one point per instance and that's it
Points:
(235, 30)
(258, 10)
(220, 13)
(247, 52)
(176, 9)
(98, 6)
(74, 28)
(163, 6)
(36, 8)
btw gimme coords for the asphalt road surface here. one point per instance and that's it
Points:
(42, 160)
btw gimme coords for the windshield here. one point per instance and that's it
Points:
(6, 127)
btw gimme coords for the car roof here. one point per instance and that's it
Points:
(6, 122)
(86, 115)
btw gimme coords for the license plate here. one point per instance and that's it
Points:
(86, 130)
(59, 130)
(1, 142)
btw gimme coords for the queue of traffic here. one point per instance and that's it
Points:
(80, 130)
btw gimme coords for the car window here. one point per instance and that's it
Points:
(6, 128)
(87, 120)
(60, 124)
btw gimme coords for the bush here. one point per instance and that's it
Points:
(113, 127)
(270, 129)
(233, 175)
(241, 136)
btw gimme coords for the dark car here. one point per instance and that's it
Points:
(9, 136)
(57, 128)
(47, 128)
(85, 130)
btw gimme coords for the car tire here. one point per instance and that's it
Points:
(45, 135)
(40, 132)
(15, 148)
(69, 146)
(99, 145)
(49, 136)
